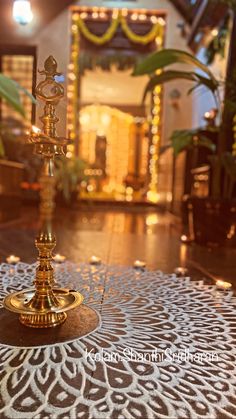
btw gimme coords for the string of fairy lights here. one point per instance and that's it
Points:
(72, 91)
(154, 150)
(118, 18)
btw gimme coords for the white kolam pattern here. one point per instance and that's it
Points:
(145, 311)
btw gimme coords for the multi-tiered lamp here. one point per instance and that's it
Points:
(45, 305)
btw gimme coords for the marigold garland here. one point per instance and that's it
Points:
(140, 39)
(157, 30)
(98, 40)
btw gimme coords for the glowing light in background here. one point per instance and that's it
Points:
(223, 285)
(152, 219)
(22, 12)
(90, 126)
(214, 32)
(155, 145)
(35, 129)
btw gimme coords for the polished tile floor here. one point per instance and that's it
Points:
(118, 236)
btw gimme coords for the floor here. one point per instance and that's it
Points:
(119, 237)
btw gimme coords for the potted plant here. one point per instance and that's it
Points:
(11, 173)
(69, 173)
(213, 217)
(10, 93)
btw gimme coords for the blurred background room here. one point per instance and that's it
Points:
(150, 169)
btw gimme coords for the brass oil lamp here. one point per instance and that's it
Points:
(45, 305)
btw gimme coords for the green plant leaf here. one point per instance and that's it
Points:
(181, 140)
(165, 77)
(203, 141)
(9, 91)
(204, 81)
(171, 75)
(184, 139)
(166, 57)
(26, 92)
(193, 88)
(68, 173)
(211, 84)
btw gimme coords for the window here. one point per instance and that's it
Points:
(19, 63)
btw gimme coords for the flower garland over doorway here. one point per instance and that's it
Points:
(119, 18)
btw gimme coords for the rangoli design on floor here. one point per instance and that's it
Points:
(144, 314)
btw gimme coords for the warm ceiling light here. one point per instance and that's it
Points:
(214, 32)
(83, 15)
(161, 21)
(142, 17)
(134, 16)
(22, 12)
(102, 15)
(153, 19)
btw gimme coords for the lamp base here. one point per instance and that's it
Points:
(80, 322)
(33, 310)
(43, 320)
